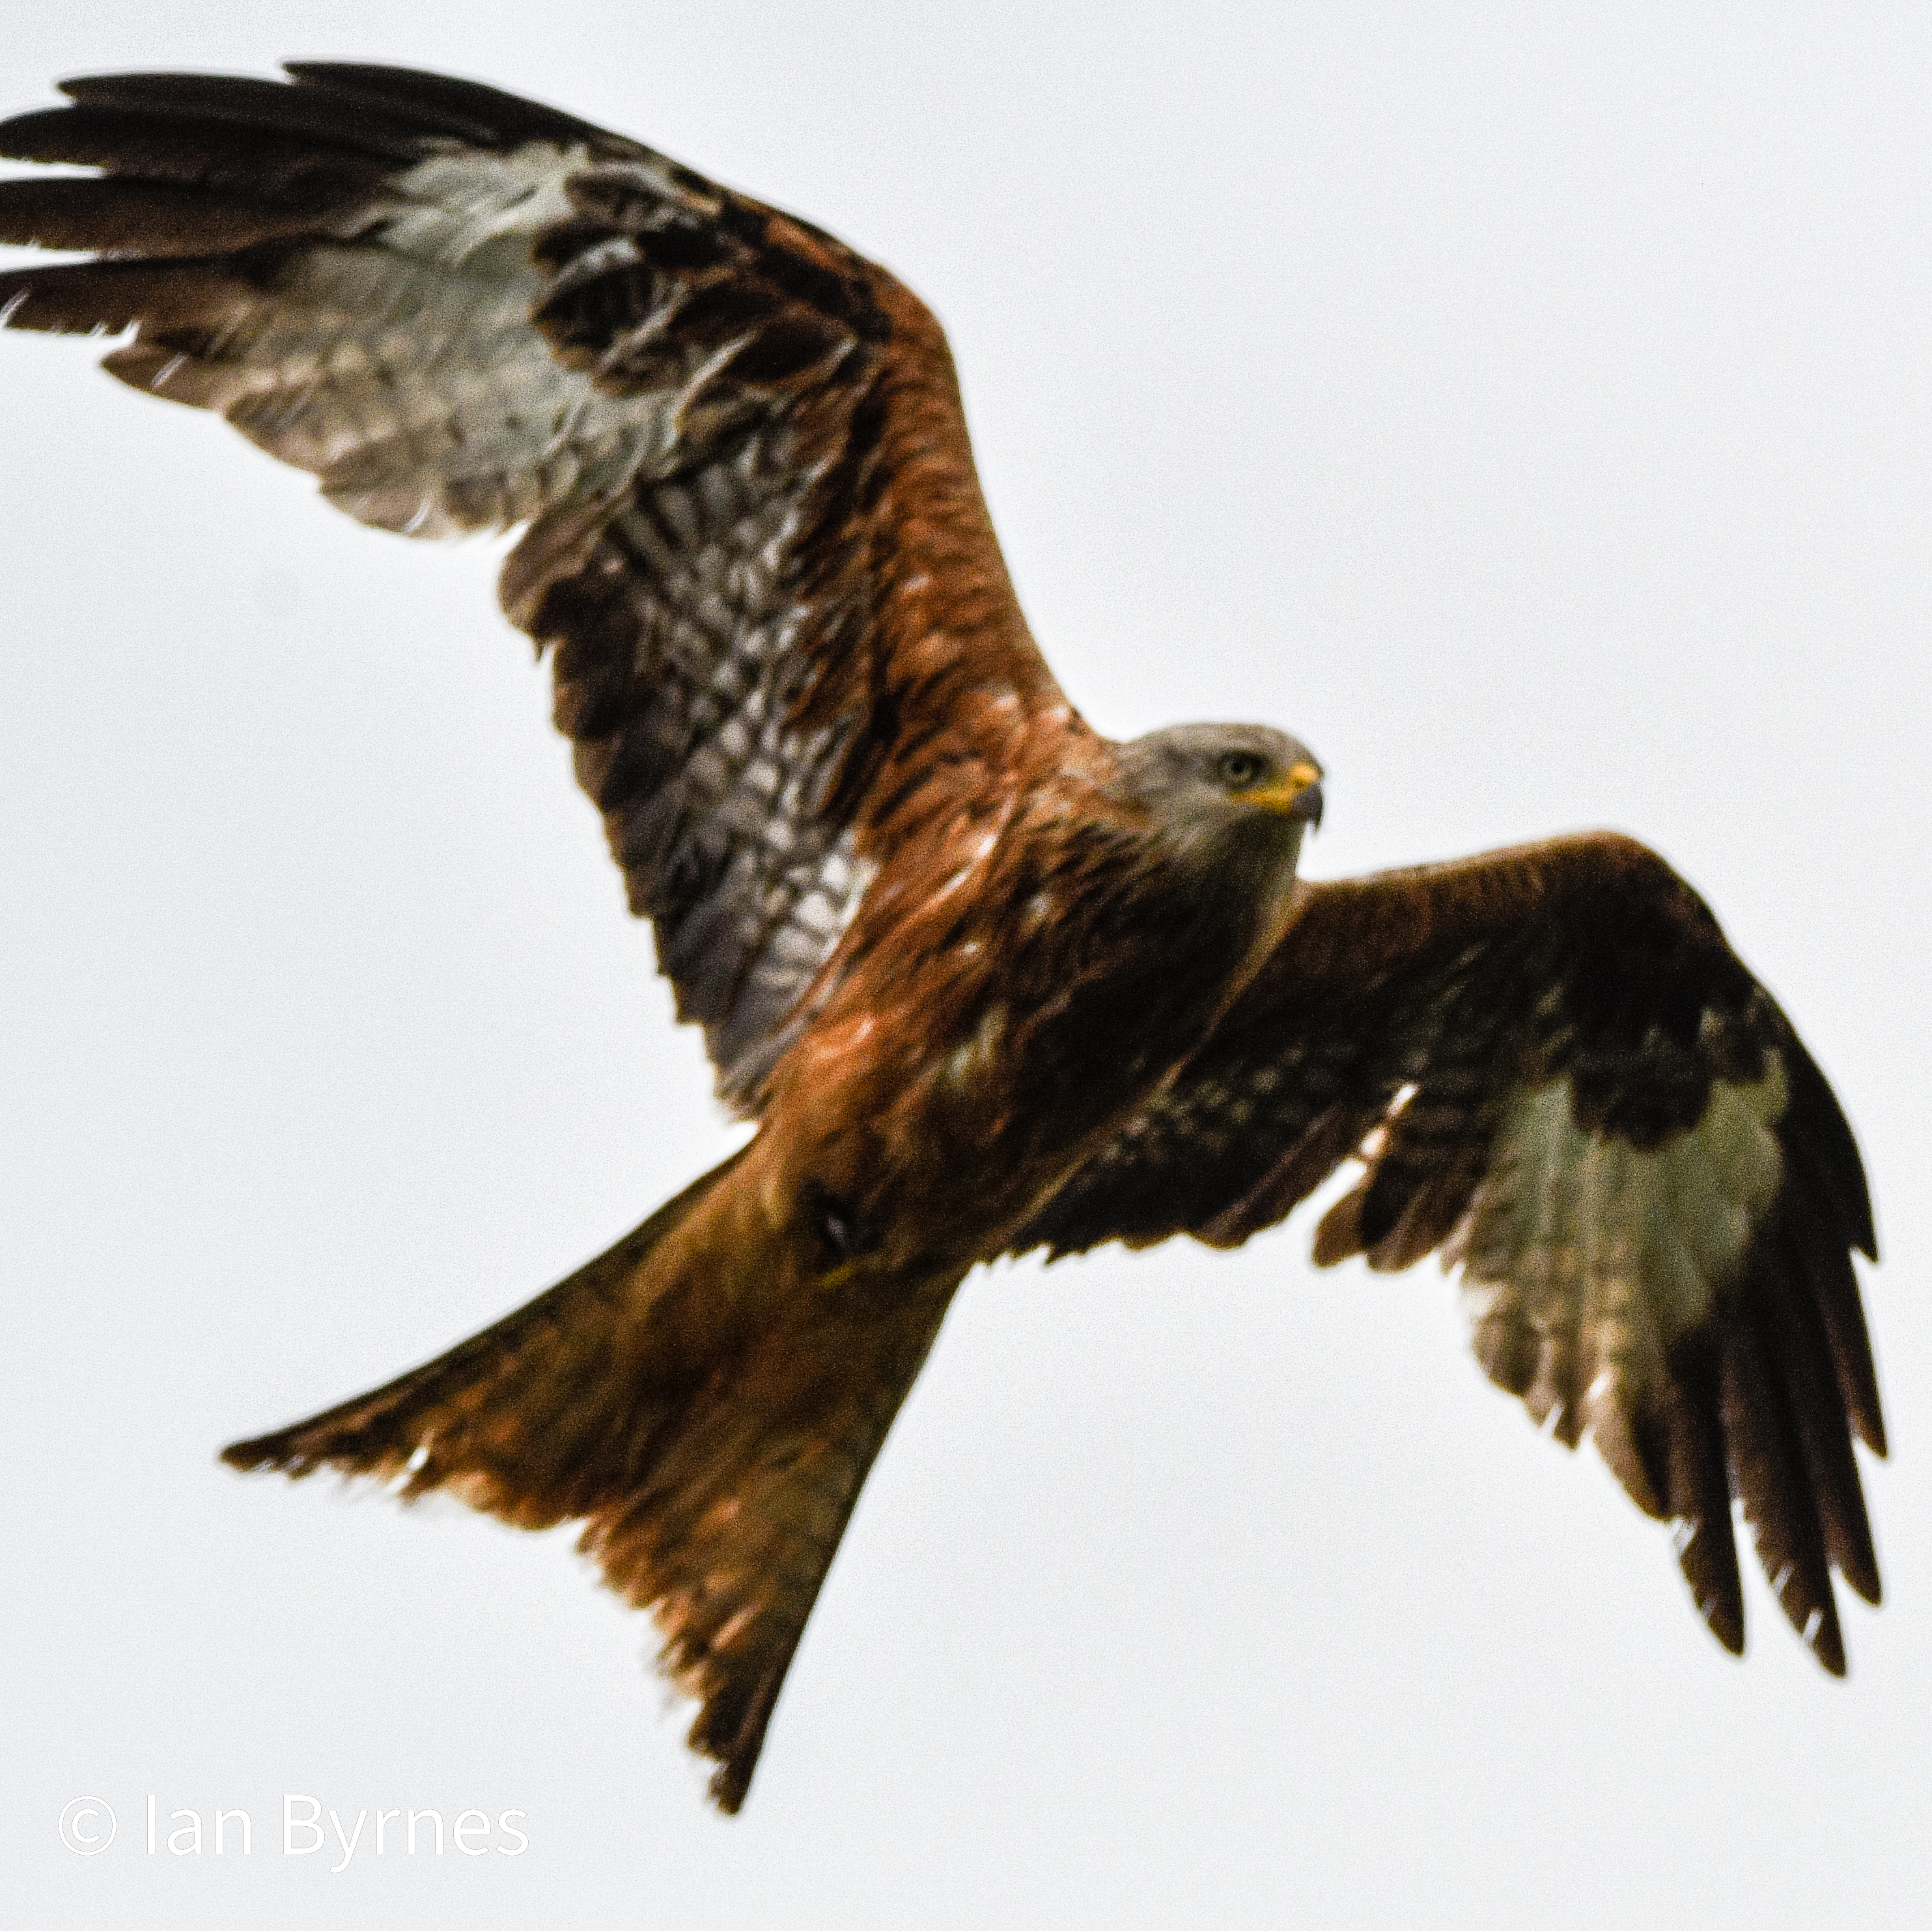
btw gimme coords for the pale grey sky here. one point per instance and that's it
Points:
(1526, 405)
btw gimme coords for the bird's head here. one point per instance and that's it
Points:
(1226, 792)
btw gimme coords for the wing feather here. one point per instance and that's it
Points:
(752, 538)
(1553, 1069)
(1794, 1331)
(1769, 1477)
(1697, 1489)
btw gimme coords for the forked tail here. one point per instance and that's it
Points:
(527, 1420)
(706, 1405)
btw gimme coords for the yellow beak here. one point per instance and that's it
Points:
(1298, 794)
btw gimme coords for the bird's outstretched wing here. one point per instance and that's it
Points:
(754, 542)
(1552, 1067)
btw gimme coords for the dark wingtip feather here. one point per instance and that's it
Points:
(151, 218)
(1696, 1491)
(1800, 1356)
(490, 117)
(1828, 1271)
(105, 296)
(40, 134)
(1815, 1118)
(1708, 1556)
(1767, 1461)
(265, 106)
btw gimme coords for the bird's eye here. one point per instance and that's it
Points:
(1239, 769)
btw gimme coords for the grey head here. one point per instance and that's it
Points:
(1226, 792)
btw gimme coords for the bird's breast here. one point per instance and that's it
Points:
(978, 1044)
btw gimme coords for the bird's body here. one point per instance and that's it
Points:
(996, 1018)
(986, 981)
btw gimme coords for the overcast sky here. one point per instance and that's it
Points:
(1526, 407)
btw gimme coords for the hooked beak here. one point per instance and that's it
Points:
(1296, 795)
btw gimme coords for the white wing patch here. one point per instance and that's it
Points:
(399, 363)
(1585, 1258)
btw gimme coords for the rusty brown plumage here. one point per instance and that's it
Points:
(1405, 1022)
(985, 981)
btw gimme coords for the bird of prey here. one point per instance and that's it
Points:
(985, 981)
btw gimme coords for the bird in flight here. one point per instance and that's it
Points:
(985, 981)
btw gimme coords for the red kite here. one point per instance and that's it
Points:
(986, 981)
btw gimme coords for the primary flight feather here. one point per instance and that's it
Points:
(985, 981)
